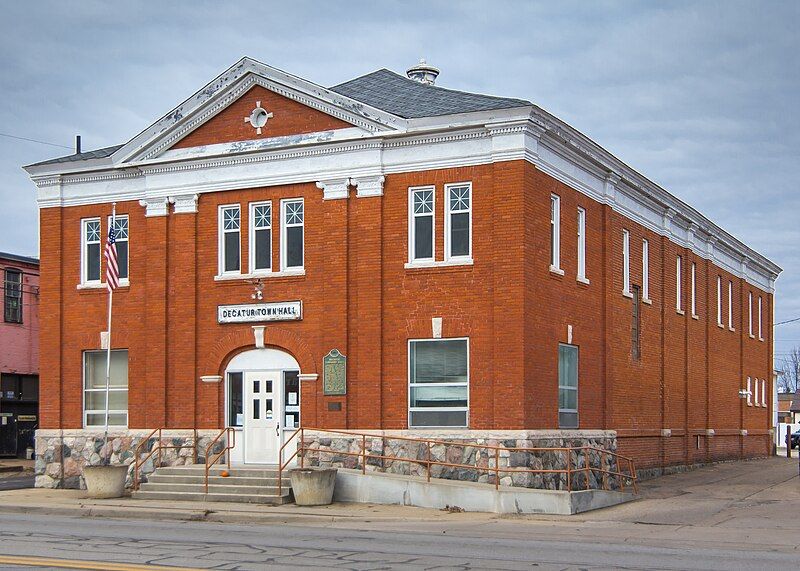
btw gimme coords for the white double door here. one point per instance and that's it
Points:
(262, 417)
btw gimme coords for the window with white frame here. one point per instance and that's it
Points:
(756, 398)
(763, 392)
(438, 379)
(719, 301)
(749, 393)
(730, 305)
(645, 269)
(760, 337)
(582, 245)
(122, 243)
(679, 284)
(626, 262)
(567, 386)
(260, 237)
(555, 232)
(94, 388)
(292, 234)
(694, 289)
(420, 206)
(750, 313)
(90, 250)
(230, 244)
(458, 221)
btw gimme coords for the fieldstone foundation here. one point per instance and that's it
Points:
(61, 455)
(477, 464)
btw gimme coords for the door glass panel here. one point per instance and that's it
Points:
(256, 386)
(256, 409)
(267, 386)
(268, 407)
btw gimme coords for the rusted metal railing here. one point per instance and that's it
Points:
(492, 452)
(158, 447)
(226, 450)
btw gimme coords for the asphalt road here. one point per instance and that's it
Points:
(510, 544)
(17, 483)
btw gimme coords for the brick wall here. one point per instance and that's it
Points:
(359, 298)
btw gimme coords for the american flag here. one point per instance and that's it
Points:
(112, 269)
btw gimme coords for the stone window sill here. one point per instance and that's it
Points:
(102, 285)
(259, 275)
(647, 300)
(557, 271)
(680, 312)
(695, 316)
(583, 281)
(438, 263)
(627, 294)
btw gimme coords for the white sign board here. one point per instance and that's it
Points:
(258, 312)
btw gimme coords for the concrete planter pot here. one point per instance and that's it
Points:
(313, 486)
(105, 481)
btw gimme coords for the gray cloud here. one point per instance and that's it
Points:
(700, 97)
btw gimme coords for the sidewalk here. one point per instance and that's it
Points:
(12, 467)
(75, 503)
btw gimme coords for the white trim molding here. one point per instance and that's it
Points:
(158, 206)
(368, 185)
(334, 189)
(184, 203)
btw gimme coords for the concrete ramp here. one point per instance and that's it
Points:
(381, 488)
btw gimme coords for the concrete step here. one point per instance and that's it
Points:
(199, 470)
(211, 497)
(158, 477)
(216, 489)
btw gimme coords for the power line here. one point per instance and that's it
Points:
(34, 141)
(787, 321)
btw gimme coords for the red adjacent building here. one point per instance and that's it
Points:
(480, 266)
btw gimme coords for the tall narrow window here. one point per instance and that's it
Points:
(719, 301)
(730, 305)
(230, 240)
(438, 382)
(235, 399)
(756, 398)
(90, 251)
(760, 337)
(260, 236)
(645, 269)
(763, 392)
(555, 232)
(636, 324)
(421, 242)
(567, 386)
(749, 392)
(292, 246)
(582, 245)
(679, 284)
(458, 221)
(626, 262)
(121, 237)
(94, 388)
(750, 313)
(694, 290)
(12, 297)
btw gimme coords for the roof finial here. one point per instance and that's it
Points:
(423, 73)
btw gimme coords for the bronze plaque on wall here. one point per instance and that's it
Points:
(334, 373)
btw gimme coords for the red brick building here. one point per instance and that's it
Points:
(482, 266)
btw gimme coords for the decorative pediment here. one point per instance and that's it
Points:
(227, 114)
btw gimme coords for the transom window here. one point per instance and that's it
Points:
(260, 236)
(567, 386)
(90, 251)
(458, 221)
(292, 231)
(438, 382)
(12, 298)
(229, 239)
(421, 225)
(94, 388)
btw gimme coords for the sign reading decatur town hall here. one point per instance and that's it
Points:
(280, 311)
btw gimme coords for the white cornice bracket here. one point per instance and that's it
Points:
(334, 189)
(368, 185)
(185, 203)
(155, 206)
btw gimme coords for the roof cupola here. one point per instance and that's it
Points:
(423, 73)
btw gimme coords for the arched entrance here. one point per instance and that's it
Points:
(262, 403)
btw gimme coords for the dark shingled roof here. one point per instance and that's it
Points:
(398, 95)
(18, 258)
(86, 155)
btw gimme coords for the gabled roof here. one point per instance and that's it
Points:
(18, 258)
(398, 95)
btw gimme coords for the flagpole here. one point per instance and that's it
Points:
(108, 341)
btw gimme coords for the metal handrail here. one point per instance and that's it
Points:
(158, 446)
(230, 443)
(428, 462)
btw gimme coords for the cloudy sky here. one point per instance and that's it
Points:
(702, 97)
